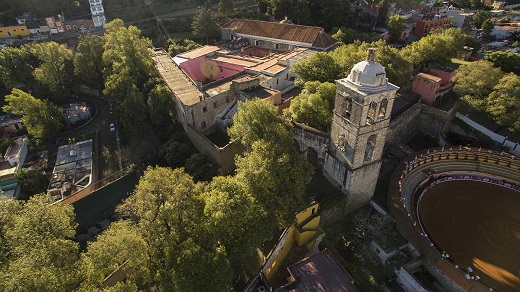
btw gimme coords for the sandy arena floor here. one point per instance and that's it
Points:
(477, 224)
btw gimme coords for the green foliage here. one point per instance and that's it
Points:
(200, 168)
(479, 18)
(42, 119)
(122, 244)
(205, 24)
(175, 153)
(508, 62)
(160, 103)
(382, 13)
(88, 63)
(226, 7)
(32, 182)
(169, 210)
(314, 105)
(4, 145)
(475, 81)
(180, 46)
(504, 102)
(436, 48)
(16, 66)
(487, 27)
(272, 170)
(504, 20)
(398, 68)
(396, 25)
(41, 256)
(235, 217)
(55, 69)
(319, 67)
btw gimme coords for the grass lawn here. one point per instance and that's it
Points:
(456, 63)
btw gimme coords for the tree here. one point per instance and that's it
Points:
(398, 68)
(272, 170)
(479, 18)
(42, 119)
(319, 67)
(88, 62)
(176, 46)
(258, 120)
(382, 13)
(122, 244)
(205, 24)
(487, 27)
(42, 255)
(175, 153)
(396, 26)
(32, 182)
(436, 48)
(508, 62)
(314, 105)
(56, 68)
(169, 211)
(235, 217)
(504, 102)
(226, 7)
(16, 66)
(200, 168)
(160, 104)
(475, 81)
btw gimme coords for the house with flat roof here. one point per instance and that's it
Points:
(11, 164)
(72, 172)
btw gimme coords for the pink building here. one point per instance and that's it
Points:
(434, 86)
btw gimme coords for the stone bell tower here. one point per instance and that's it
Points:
(360, 122)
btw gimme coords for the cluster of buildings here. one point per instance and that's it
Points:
(12, 133)
(29, 25)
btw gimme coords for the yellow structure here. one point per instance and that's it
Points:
(305, 230)
(13, 31)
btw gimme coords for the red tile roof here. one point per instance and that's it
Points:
(311, 35)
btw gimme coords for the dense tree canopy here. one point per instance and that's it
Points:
(176, 46)
(504, 102)
(479, 18)
(508, 62)
(88, 62)
(16, 66)
(475, 81)
(396, 25)
(205, 24)
(272, 170)
(319, 67)
(55, 69)
(39, 254)
(314, 105)
(42, 119)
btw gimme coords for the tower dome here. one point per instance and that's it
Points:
(368, 74)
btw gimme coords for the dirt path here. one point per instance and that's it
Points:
(477, 224)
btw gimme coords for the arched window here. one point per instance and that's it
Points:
(382, 109)
(371, 115)
(369, 149)
(348, 107)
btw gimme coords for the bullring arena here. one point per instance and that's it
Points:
(459, 208)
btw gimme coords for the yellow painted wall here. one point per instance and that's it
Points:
(312, 225)
(289, 241)
(303, 215)
(14, 31)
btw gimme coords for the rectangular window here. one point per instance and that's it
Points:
(204, 109)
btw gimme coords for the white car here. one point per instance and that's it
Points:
(112, 127)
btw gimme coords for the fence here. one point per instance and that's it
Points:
(514, 147)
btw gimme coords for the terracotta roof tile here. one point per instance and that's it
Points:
(311, 35)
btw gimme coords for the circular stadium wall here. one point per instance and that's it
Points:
(459, 208)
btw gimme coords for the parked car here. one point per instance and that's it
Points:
(112, 127)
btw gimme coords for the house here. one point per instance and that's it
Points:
(83, 24)
(37, 26)
(98, 12)
(10, 125)
(429, 22)
(11, 164)
(319, 272)
(461, 18)
(13, 31)
(55, 25)
(76, 112)
(72, 172)
(501, 32)
(282, 36)
(434, 85)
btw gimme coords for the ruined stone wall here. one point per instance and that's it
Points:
(435, 121)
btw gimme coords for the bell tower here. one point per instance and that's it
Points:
(360, 123)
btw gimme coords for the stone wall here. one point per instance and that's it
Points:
(309, 137)
(436, 121)
(404, 127)
(223, 157)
